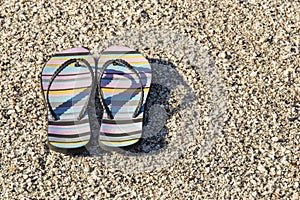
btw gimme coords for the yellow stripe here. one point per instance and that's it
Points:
(130, 62)
(124, 90)
(66, 91)
(69, 143)
(123, 142)
(57, 65)
(114, 56)
(72, 57)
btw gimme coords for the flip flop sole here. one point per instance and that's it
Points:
(68, 94)
(122, 92)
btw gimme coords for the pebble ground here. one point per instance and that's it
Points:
(255, 46)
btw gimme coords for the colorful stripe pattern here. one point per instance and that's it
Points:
(121, 90)
(68, 94)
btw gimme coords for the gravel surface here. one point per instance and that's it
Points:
(254, 45)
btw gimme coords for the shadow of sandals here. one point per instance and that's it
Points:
(169, 95)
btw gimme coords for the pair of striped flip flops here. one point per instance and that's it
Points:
(122, 76)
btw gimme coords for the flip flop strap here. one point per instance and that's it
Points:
(125, 64)
(59, 70)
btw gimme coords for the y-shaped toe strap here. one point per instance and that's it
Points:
(59, 70)
(125, 64)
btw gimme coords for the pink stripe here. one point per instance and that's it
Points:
(117, 128)
(69, 132)
(123, 77)
(123, 85)
(119, 48)
(59, 62)
(119, 84)
(123, 126)
(67, 117)
(74, 107)
(74, 50)
(112, 93)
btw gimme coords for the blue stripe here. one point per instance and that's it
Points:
(73, 109)
(73, 70)
(134, 82)
(129, 77)
(126, 71)
(62, 99)
(145, 67)
(124, 110)
(66, 105)
(68, 146)
(124, 97)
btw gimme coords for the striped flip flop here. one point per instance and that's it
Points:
(124, 83)
(67, 82)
